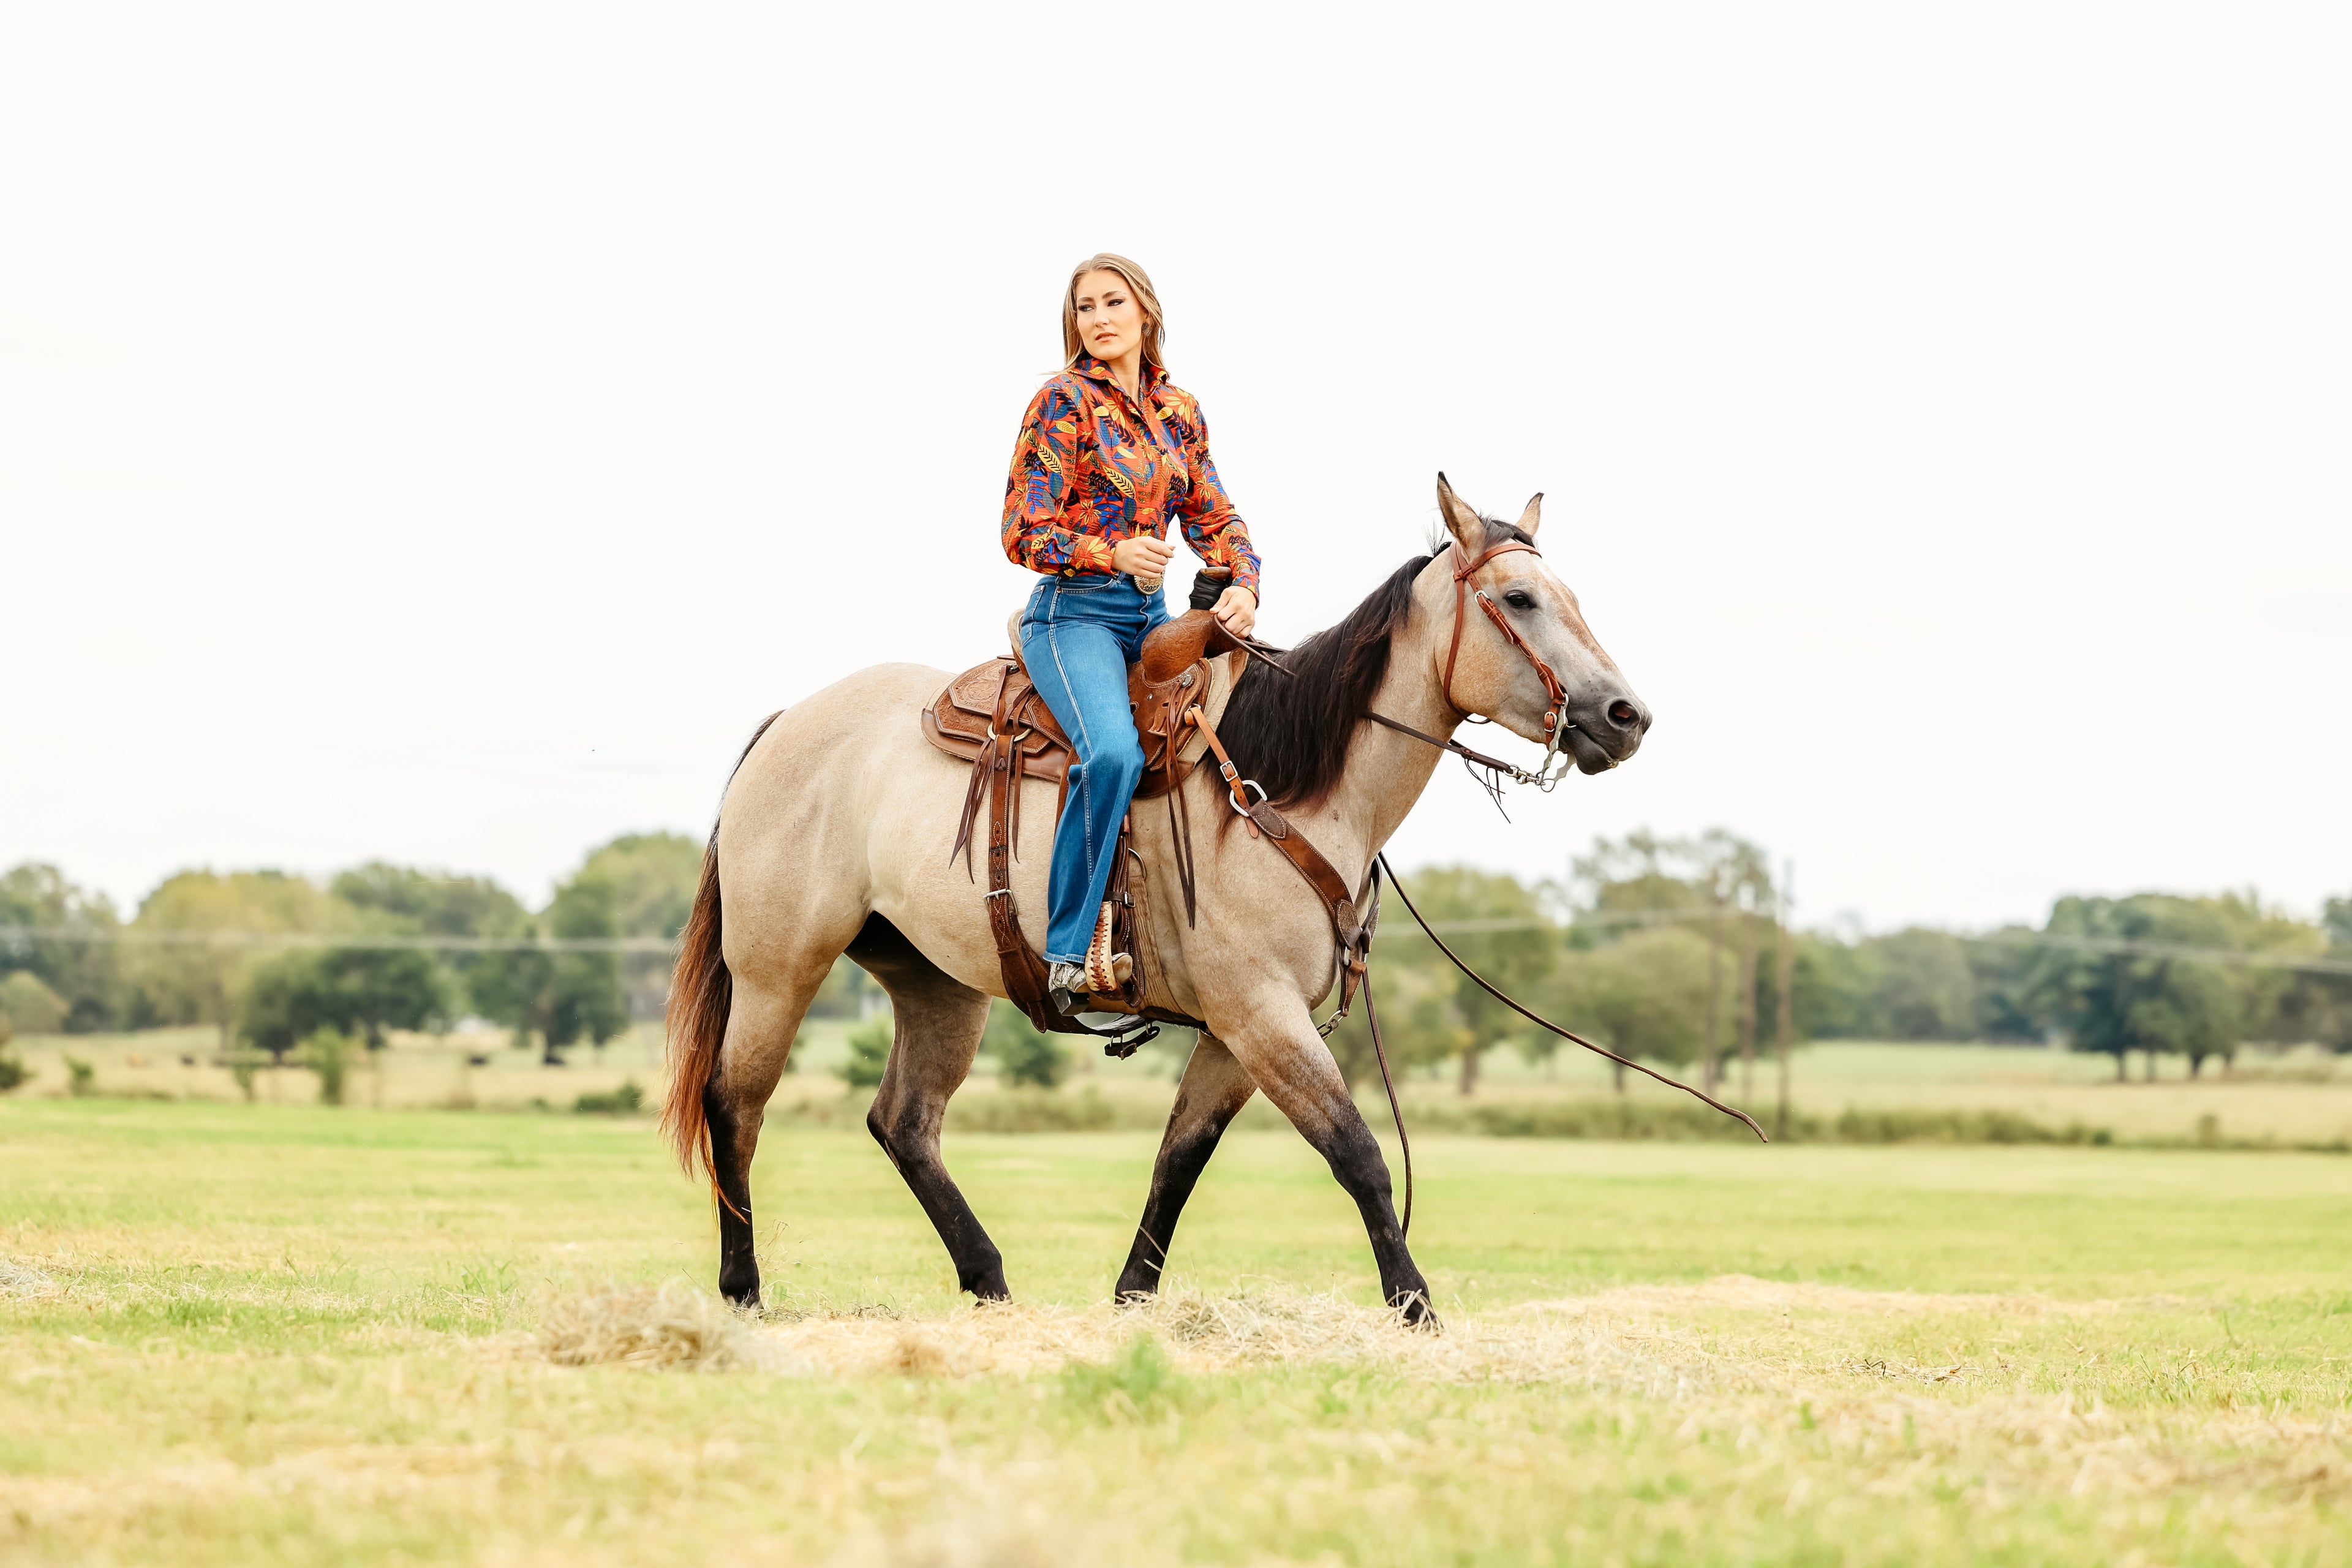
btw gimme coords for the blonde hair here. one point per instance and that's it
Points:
(1155, 327)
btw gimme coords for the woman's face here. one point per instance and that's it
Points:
(1110, 321)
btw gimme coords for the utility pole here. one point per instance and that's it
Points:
(1709, 1058)
(1786, 1005)
(1748, 939)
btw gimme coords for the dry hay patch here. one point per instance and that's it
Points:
(1637, 1345)
(671, 1327)
(1207, 1332)
(1635, 1348)
(1745, 1292)
(22, 1280)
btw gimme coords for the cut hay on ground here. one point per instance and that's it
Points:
(1807, 1385)
(18, 1279)
(669, 1327)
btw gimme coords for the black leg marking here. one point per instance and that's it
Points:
(1358, 1165)
(938, 1030)
(739, 1267)
(1214, 1091)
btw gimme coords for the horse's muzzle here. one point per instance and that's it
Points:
(1608, 729)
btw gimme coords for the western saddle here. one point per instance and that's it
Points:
(992, 717)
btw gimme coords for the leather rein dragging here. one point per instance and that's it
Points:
(1354, 930)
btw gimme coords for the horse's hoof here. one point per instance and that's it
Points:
(1413, 1307)
(1134, 1296)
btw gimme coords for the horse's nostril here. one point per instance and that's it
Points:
(1623, 714)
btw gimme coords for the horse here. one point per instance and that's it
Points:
(833, 838)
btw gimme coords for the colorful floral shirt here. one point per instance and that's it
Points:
(1091, 468)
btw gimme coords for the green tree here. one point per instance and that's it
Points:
(1717, 883)
(346, 990)
(328, 1053)
(869, 1054)
(2122, 1002)
(409, 901)
(1925, 987)
(2003, 966)
(1024, 1054)
(1414, 987)
(192, 981)
(1642, 995)
(562, 996)
(401, 901)
(376, 989)
(653, 876)
(84, 974)
(30, 1007)
(1514, 957)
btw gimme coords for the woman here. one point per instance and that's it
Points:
(1110, 452)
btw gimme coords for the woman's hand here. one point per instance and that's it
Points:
(1143, 558)
(1236, 610)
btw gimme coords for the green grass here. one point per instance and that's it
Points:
(290, 1334)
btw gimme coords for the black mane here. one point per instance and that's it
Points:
(1291, 732)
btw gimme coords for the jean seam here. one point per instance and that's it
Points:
(1086, 738)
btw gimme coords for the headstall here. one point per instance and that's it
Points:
(1554, 719)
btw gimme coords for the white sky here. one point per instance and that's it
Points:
(441, 432)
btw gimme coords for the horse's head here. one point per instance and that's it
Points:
(1487, 672)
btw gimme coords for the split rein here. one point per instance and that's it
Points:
(1545, 777)
(1380, 1052)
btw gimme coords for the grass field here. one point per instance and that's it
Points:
(284, 1333)
(2293, 1098)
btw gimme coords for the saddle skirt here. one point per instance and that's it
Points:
(992, 716)
(961, 719)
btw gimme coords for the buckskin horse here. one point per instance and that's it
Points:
(830, 841)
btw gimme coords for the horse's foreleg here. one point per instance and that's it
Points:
(938, 1022)
(1282, 1052)
(1214, 1091)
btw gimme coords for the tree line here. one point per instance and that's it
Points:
(1663, 949)
(272, 999)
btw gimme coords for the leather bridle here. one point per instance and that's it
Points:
(1554, 719)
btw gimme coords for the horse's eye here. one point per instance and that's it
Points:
(1520, 599)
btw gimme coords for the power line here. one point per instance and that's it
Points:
(2129, 947)
(369, 941)
(1476, 926)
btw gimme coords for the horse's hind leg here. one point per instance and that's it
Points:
(1214, 1091)
(761, 1020)
(938, 1022)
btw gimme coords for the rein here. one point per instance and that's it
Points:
(1545, 777)
(1354, 930)
(1382, 861)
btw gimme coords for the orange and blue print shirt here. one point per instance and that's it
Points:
(1092, 468)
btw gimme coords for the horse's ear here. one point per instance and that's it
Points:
(1531, 517)
(1468, 529)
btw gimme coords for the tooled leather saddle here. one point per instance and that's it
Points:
(992, 716)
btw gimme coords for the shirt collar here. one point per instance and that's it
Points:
(1094, 369)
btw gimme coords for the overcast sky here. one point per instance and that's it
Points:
(441, 432)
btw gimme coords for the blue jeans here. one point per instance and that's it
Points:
(1078, 634)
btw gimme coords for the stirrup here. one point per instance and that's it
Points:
(1108, 972)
